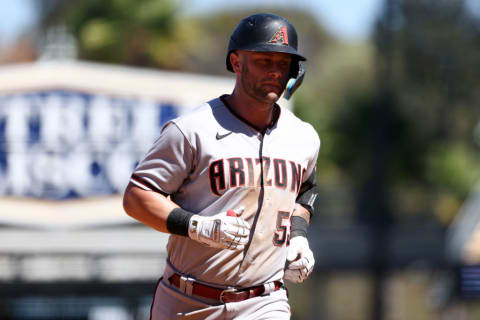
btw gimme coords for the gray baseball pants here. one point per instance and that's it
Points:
(170, 303)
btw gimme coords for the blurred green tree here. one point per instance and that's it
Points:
(407, 143)
(140, 33)
(159, 34)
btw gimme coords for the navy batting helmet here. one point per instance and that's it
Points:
(266, 32)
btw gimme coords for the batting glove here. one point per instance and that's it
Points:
(225, 230)
(300, 260)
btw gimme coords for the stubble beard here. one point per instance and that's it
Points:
(255, 91)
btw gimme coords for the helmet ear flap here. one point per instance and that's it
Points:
(294, 67)
(294, 82)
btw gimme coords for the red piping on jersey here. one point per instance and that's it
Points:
(276, 115)
(147, 184)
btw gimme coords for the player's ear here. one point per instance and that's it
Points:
(235, 61)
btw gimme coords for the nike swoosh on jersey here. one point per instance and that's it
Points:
(221, 136)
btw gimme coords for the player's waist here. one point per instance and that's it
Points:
(193, 287)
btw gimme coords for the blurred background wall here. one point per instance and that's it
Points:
(390, 88)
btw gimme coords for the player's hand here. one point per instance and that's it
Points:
(300, 260)
(225, 230)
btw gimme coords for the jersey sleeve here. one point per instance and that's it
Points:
(308, 190)
(308, 193)
(167, 164)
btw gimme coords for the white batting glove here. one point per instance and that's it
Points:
(300, 260)
(225, 230)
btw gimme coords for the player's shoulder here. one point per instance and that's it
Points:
(199, 116)
(300, 127)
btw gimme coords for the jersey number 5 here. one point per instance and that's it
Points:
(282, 234)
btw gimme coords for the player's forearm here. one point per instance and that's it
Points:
(150, 208)
(300, 221)
(300, 211)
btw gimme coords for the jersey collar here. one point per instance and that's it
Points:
(276, 115)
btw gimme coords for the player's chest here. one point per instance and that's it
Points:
(282, 145)
(236, 160)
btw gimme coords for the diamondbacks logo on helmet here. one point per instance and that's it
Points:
(280, 37)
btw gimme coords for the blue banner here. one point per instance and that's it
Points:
(62, 144)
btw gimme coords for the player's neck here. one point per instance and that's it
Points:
(257, 113)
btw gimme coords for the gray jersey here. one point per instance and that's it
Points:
(210, 161)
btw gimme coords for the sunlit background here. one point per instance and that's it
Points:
(391, 88)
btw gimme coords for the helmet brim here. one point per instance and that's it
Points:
(267, 48)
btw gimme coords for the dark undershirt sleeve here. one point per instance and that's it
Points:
(308, 193)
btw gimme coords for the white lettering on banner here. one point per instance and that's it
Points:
(61, 144)
(16, 133)
(52, 127)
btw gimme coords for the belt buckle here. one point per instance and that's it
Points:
(228, 290)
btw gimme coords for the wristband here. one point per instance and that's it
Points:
(299, 227)
(178, 221)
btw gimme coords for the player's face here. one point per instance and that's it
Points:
(264, 75)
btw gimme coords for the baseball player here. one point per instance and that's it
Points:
(233, 183)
